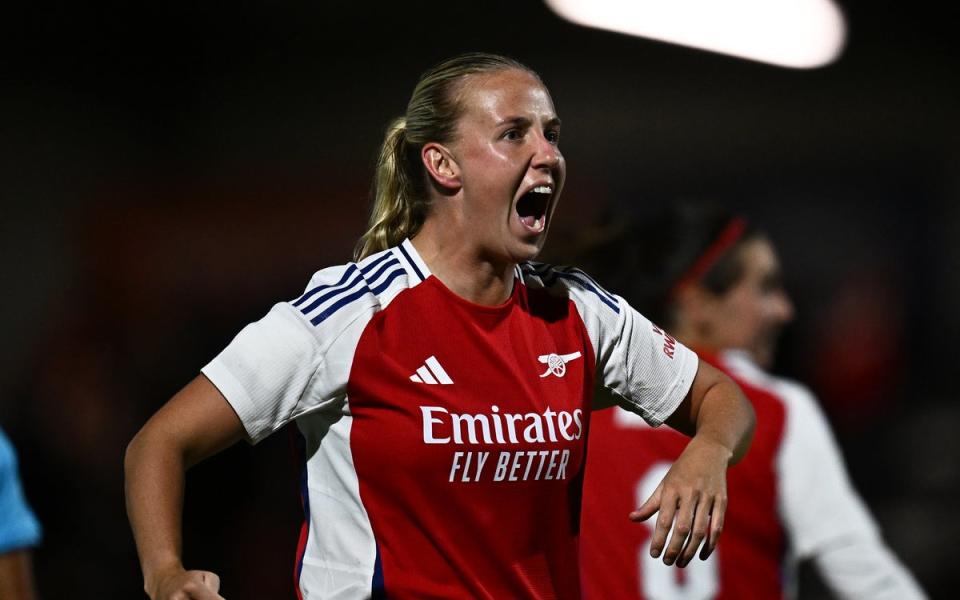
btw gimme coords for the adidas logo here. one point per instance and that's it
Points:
(431, 373)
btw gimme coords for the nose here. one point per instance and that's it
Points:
(547, 154)
(783, 309)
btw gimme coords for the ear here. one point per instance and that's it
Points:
(441, 165)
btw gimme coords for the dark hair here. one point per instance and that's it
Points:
(400, 198)
(645, 260)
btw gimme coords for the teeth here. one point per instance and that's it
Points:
(542, 189)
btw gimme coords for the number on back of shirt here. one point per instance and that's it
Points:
(697, 581)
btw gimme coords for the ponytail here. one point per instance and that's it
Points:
(398, 209)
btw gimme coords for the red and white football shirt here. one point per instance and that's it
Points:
(628, 459)
(789, 499)
(444, 441)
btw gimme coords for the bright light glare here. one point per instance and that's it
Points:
(802, 34)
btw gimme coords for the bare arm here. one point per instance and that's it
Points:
(16, 576)
(692, 497)
(196, 423)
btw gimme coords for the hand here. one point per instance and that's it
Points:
(692, 498)
(187, 585)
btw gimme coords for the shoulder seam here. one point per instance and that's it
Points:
(323, 357)
(549, 275)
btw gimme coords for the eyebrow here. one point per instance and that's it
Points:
(525, 122)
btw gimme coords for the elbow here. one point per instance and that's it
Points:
(147, 446)
(133, 453)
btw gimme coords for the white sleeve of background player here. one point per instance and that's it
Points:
(826, 519)
(645, 372)
(283, 366)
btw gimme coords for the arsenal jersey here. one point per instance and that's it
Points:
(789, 499)
(628, 459)
(443, 441)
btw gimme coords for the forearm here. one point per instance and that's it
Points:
(726, 418)
(715, 413)
(196, 423)
(154, 474)
(16, 576)
(692, 497)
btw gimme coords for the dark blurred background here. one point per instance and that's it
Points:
(169, 171)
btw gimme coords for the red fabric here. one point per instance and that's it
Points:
(480, 538)
(748, 558)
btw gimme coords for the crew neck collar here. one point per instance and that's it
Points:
(418, 270)
(411, 260)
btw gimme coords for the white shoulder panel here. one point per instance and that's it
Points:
(645, 370)
(297, 358)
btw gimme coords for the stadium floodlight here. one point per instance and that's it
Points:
(801, 34)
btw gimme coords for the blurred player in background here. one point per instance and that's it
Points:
(19, 530)
(713, 281)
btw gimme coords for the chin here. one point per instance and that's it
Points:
(520, 248)
(763, 357)
(529, 250)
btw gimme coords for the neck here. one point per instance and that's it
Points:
(691, 338)
(463, 269)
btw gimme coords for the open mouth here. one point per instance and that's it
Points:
(532, 208)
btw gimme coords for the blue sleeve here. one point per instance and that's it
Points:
(19, 528)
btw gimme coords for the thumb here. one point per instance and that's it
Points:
(648, 508)
(210, 580)
(211, 585)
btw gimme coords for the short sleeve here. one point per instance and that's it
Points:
(285, 365)
(265, 371)
(19, 527)
(639, 366)
(649, 370)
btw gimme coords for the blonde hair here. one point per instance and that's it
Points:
(401, 200)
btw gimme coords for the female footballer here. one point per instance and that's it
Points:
(442, 383)
(713, 280)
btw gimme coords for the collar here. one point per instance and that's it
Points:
(416, 269)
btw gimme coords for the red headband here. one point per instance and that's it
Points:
(714, 252)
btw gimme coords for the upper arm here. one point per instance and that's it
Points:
(198, 421)
(16, 575)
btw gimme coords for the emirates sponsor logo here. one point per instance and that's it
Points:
(441, 427)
